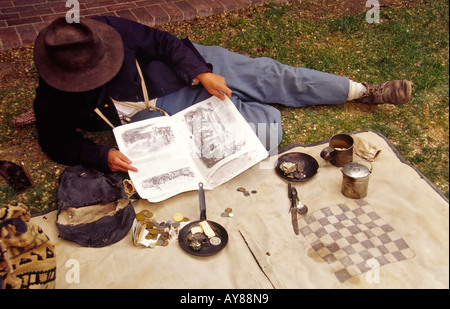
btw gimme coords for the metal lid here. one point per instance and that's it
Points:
(356, 170)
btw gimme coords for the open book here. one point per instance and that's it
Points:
(209, 142)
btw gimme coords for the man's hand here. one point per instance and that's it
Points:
(215, 85)
(117, 161)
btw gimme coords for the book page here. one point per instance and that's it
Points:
(222, 143)
(209, 142)
(156, 148)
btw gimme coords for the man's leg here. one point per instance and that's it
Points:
(265, 80)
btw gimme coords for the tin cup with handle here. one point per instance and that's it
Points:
(339, 151)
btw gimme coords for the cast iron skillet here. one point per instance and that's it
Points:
(207, 245)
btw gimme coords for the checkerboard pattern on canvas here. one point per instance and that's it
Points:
(348, 235)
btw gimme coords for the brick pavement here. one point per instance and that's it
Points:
(21, 20)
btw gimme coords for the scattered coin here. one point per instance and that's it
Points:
(144, 214)
(140, 216)
(246, 193)
(228, 213)
(215, 241)
(178, 217)
(147, 213)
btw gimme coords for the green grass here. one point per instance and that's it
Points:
(409, 43)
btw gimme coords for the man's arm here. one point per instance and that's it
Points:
(58, 138)
(149, 44)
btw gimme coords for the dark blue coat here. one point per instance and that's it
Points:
(168, 64)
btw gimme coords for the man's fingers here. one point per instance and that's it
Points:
(117, 161)
(223, 93)
(215, 85)
(124, 167)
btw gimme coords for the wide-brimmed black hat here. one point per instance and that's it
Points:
(77, 57)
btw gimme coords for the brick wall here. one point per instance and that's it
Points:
(21, 20)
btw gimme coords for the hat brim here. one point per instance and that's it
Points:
(86, 79)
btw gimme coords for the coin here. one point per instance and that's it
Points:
(228, 213)
(215, 241)
(246, 193)
(153, 231)
(241, 189)
(140, 216)
(178, 217)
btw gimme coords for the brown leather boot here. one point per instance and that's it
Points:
(396, 92)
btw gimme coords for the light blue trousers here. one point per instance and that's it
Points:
(257, 83)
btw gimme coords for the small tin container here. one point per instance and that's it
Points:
(355, 180)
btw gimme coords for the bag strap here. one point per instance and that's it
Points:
(145, 93)
(147, 103)
(144, 87)
(103, 117)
